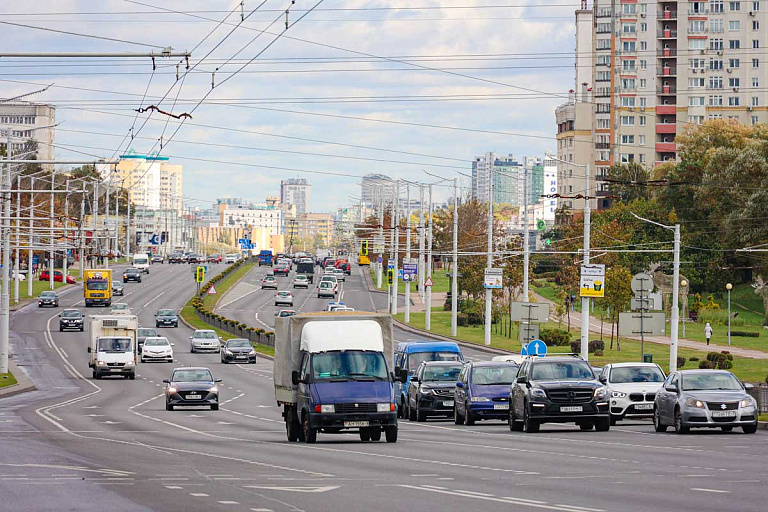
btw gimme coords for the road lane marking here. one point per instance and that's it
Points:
(229, 502)
(198, 494)
(702, 489)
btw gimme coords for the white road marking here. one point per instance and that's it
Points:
(173, 487)
(702, 489)
(229, 502)
(295, 489)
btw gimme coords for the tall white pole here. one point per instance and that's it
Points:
(489, 261)
(428, 291)
(66, 234)
(675, 313)
(585, 300)
(391, 260)
(117, 220)
(81, 238)
(397, 247)
(526, 237)
(95, 220)
(455, 267)
(729, 314)
(381, 237)
(408, 212)
(5, 307)
(18, 243)
(422, 235)
(107, 239)
(51, 254)
(31, 238)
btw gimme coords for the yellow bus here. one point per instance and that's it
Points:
(362, 255)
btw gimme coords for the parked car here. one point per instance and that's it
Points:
(204, 339)
(58, 277)
(238, 350)
(166, 318)
(482, 391)
(633, 388)
(704, 399)
(71, 319)
(432, 388)
(48, 298)
(284, 298)
(191, 386)
(157, 349)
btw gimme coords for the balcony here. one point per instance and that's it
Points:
(666, 147)
(666, 90)
(666, 110)
(667, 71)
(669, 15)
(602, 145)
(604, 12)
(667, 52)
(666, 128)
(666, 34)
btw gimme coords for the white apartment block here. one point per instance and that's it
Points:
(296, 192)
(20, 118)
(151, 180)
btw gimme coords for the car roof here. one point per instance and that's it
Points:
(626, 365)
(493, 364)
(702, 370)
(238, 339)
(203, 330)
(193, 368)
(432, 346)
(442, 363)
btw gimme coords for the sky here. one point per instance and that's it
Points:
(352, 87)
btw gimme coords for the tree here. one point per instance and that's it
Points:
(629, 181)
(618, 293)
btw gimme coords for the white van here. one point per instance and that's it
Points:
(141, 262)
(231, 258)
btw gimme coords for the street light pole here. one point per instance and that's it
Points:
(455, 267)
(407, 316)
(728, 287)
(428, 291)
(51, 253)
(585, 300)
(684, 286)
(5, 313)
(489, 262)
(420, 272)
(31, 238)
(526, 237)
(381, 239)
(396, 247)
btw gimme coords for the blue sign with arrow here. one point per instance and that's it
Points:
(535, 348)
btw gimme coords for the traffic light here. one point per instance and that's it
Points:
(364, 248)
(390, 275)
(200, 274)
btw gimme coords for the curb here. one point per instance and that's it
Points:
(762, 425)
(23, 384)
(480, 348)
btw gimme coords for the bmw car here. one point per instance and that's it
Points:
(191, 387)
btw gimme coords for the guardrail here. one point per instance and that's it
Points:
(760, 393)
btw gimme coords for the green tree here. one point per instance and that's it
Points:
(618, 294)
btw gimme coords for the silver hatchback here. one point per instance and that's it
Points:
(704, 398)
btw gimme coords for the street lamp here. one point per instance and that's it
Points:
(684, 285)
(728, 287)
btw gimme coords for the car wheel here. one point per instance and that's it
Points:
(514, 425)
(391, 434)
(376, 434)
(421, 417)
(365, 434)
(411, 412)
(157, 326)
(603, 424)
(657, 425)
(143, 360)
(468, 419)
(613, 420)
(457, 418)
(176, 324)
(168, 407)
(726, 429)
(680, 428)
(61, 329)
(530, 426)
(223, 361)
(215, 407)
(81, 329)
(586, 425)
(310, 434)
(132, 376)
(192, 349)
(749, 429)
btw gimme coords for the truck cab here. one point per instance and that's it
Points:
(408, 357)
(113, 346)
(97, 287)
(141, 262)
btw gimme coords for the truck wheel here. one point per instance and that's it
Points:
(310, 434)
(391, 434)
(375, 434)
(291, 426)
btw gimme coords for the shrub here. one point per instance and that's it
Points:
(713, 356)
(725, 365)
(745, 334)
(680, 362)
(706, 365)
(599, 353)
(462, 319)
(693, 359)
(576, 347)
(555, 337)
(718, 317)
(596, 345)
(766, 379)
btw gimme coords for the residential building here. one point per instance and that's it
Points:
(310, 226)
(297, 192)
(151, 180)
(254, 217)
(377, 188)
(513, 179)
(20, 118)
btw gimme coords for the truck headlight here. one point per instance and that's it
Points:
(601, 393)
(692, 402)
(618, 394)
(101, 363)
(480, 399)
(385, 407)
(538, 393)
(325, 408)
(129, 363)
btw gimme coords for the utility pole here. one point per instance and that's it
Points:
(117, 217)
(585, 300)
(128, 234)
(5, 312)
(397, 247)
(31, 238)
(526, 236)
(379, 267)
(51, 253)
(107, 239)
(18, 242)
(81, 239)
(420, 271)
(455, 267)
(675, 313)
(408, 212)
(66, 234)
(95, 220)
(489, 261)
(428, 292)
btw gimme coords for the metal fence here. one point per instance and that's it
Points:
(262, 338)
(760, 393)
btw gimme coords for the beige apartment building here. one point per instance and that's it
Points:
(152, 180)
(658, 66)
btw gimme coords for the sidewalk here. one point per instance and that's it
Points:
(594, 326)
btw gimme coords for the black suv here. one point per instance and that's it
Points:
(132, 274)
(432, 389)
(558, 390)
(71, 319)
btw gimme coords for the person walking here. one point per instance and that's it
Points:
(708, 332)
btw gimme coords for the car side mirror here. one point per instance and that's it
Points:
(460, 384)
(415, 379)
(173, 344)
(190, 337)
(59, 315)
(748, 386)
(521, 380)
(89, 350)
(217, 380)
(295, 377)
(671, 388)
(167, 381)
(603, 379)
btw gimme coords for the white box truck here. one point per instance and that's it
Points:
(112, 347)
(333, 373)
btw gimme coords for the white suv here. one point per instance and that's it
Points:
(204, 339)
(632, 388)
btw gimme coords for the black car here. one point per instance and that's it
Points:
(176, 257)
(71, 319)
(48, 299)
(238, 350)
(558, 390)
(166, 318)
(191, 386)
(142, 334)
(117, 288)
(432, 389)
(132, 274)
(282, 271)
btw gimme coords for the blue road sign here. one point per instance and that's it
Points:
(35, 259)
(380, 260)
(390, 266)
(154, 240)
(410, 271)
(535, 348)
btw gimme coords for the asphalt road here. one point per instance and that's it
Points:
(80, 444)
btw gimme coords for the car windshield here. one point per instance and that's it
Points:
(238, 344)
(48, 295)
(119, 306)
(190, 375)
(131, 270)
(416, 358)
(156, 342)
(70, 314)
(629, 374)
(117, 345)
(166, 312)
(326, 284)
(711, 382)
(349, 364)
(205, 335)
(284, 294)
(283, 314)
(115, 284)
(301, 278)
(97, 285)
(269, 278)
(441, 373)
(493, 375)
(561, 370)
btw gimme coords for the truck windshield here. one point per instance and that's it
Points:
(416, 358)
(349, 364)
(115, 345)
(97, 285)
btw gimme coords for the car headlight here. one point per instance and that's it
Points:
(171, 389)
(129, 363)
(101, 363)
(601, 393)
(213, 389)
(747, 402)
(538, 393)
(252, 353)
(228, 352)
(426, 391)
(327, 408)
(618, 394)
(479, 399)
(388, 407)
(692, 402)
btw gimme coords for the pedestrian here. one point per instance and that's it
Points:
(708, 332)
(573, 302)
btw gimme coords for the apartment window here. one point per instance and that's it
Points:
(642, 102)
(697, 44)
(753, 120)
(697, 7)
(696, 63)
(734, 44)
(734, 26)
(603, 28)
(629, 28)
(716, 64)
(755, 43)
(695, 83)
(716, 26)
(642, 120)
(755, 63)
(697, 26)
(755, 82)
(603, 108)
(627, 101)
(715, 44)
(626, 157)
(733, 82)
(603, 60)
(733, 63)
(716, 6)
(628, 83)
(643, 27)
(715, 82)
(603, 44)
(643, 7)
(755, 101)
(628, 120)
(603, 76)
(715, 101)
(734, 6)
(643, 46)
(733, 101)
(695, 119)
(628, 65)
(755, 25)
(696, 101)
(603, 124)
(641, 139)
(643, 63)
(628, 46)
(756, 5)
(642, 158)
(628, 8)
(715, 116)
(627, 139)
(643, 83)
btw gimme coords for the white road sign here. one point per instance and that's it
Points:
(493, 278)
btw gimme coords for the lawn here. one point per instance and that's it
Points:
(7, 379)
(227, 283)
(752, 370)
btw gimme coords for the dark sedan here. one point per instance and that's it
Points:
(132, 274)
(71, 319)
(191, 386)
(432, 389)
(48, 299)
(166, 318)
(238, 350)
(117, 288)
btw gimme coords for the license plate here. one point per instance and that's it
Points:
(115, 369)
(193, 397)
(723, 414)
(448, 403)
(643, 407)
(356, 423)
(501, 406)
(574, 408)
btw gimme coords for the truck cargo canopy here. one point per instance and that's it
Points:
(345, 335)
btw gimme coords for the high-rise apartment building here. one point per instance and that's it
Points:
(296, 192)
(19, 118)
(376, 189)
(511, 178)
(659, 66)
(151, 180)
